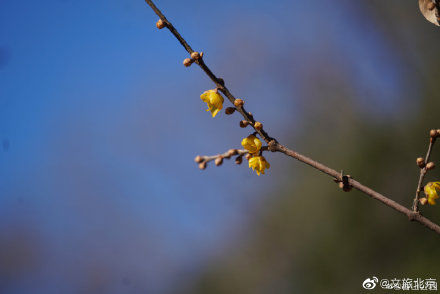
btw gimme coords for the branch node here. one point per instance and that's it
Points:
(412, 216)
(272, 146)
(344, 182)
(220, 81)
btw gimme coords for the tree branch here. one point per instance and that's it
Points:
(274, 146)
(424, 167)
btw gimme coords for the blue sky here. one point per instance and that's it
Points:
(100, 122)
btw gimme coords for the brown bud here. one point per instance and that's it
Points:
(198, 159)
(433, 133)
(201, 54)
(187, 62)
(202, 165)
(248, 156)
(431, 6)
(345, 187)
(218, 160)
(244, 123)
(438, 132)
(238, 103)
(430, 165)
(160, 24)
(420, 162)
(258, 126)
(239, 159)
(195, 55)
(230, 110)
(232, 152)
(423, 201)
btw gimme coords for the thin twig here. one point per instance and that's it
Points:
(423, 172)
(226, 155)
(274, 146)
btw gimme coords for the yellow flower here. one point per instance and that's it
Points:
(214, 101)
(251, 144)
(432, 191)
(259, 164)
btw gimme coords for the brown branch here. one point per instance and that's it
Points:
(424, 165)
(274, 146)
(226, 155)
(202, 160)
(217, 81)
(355, 184)
(218, 158)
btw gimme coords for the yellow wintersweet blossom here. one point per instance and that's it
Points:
(251, 144)
(259, 164)
(214, 101)
(432, 191)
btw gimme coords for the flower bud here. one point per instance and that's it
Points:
(198, 159)
(238, 103)
(218, 160)
(230, 110)
(423, 201)
(244, 123)
(232, 152)
(430, 165)
(420, 162)
(239, 159)
(258, 126)
(202, 165)
(187, 62)
(345, 187)
(160, 24)
(433, 133)
(195, 55)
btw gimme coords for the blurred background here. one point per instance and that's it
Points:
(100, 122)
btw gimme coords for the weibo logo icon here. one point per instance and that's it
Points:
(370, 284)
